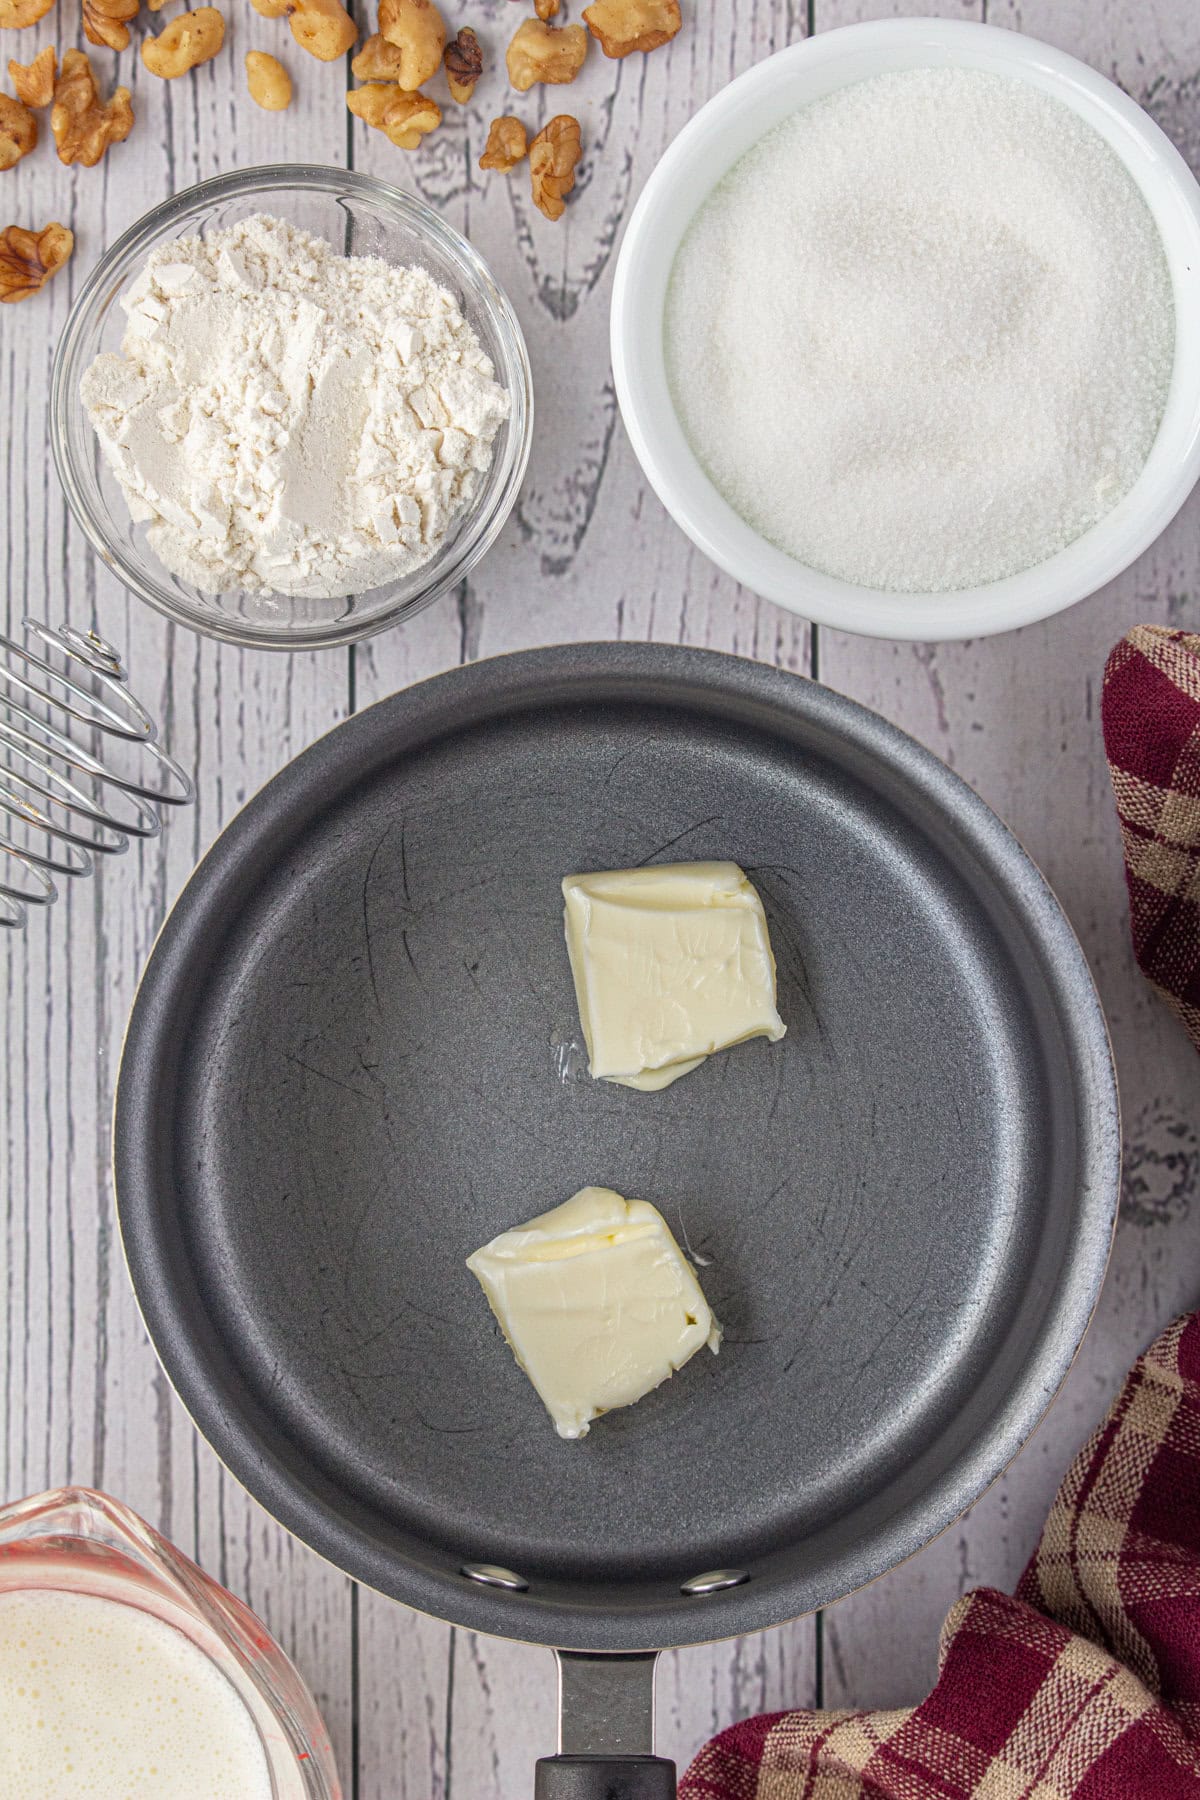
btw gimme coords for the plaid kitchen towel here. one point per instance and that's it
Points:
(1151, 714)
(1086, 1686)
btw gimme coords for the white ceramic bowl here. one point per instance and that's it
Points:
(707, 148)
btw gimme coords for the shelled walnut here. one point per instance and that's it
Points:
(106, 22)
(622, 26)
(83, 126)
(189, 40)
(322, 27)
(463, 57)
(547, 53)
(370, 103)
(410, 118)
(18, 131)
(29, 258)
(403, 118)
(33, 83)
(418, 31)
(378, 61)
(553, 155)
(507, 144)
(269, 83)
(15, 15)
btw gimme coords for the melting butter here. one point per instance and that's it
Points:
(597, 1302)
(671, 963)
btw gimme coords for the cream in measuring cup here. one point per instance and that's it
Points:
(127, 1673)
(102, 1698)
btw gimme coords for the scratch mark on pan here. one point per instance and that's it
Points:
(625, 755)
(437, 1320)
(677, 839)
(404, 861)
(324, 1075)
(446, 1430)
(366, 913)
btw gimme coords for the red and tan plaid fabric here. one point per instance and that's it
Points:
(1151, 712)
(1086, 1686)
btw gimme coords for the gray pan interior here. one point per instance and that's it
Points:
(355, 1056)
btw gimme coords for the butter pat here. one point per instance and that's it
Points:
(597, 1302)
(671, 963)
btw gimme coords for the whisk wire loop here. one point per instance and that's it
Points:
(50, 823)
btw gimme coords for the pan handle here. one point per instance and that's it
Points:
(606, 1732)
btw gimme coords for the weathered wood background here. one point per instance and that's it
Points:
(417, 1711)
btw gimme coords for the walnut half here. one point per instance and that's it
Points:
(269, 83)
(16, 14)
(33, 83)
(18, 131)
(507, 143)
(402, 117)
(622, 26)
(418, 31)
(107, 22)
(322, 27)
(553, 155)
(378, 60)
(83, 128)
(190, 39)
(545, 53)
(463, 57)
(29, 258)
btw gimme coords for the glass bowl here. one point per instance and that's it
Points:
(359, 216)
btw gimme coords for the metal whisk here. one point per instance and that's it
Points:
(60, 805)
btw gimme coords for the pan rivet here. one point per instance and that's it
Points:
(714, 1580)
(491, 1575)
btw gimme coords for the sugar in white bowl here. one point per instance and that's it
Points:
(921, 335)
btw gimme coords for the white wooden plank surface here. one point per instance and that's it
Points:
(1018, 716)
(415, 1709)
(85, 1397)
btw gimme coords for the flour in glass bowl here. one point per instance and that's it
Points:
(921, 335)
(290, 420)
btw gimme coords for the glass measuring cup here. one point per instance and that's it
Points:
(76, 1541)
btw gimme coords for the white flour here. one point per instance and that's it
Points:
(289, 419)
(921, 335)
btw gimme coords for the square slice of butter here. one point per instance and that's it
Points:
(597, 1302)
(671, 963)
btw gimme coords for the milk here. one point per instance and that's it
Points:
(102, 1701)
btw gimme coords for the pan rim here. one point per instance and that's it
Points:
(492, 688)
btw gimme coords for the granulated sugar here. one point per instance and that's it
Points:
(921, 335)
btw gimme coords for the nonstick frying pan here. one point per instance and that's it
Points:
(355, 1056)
